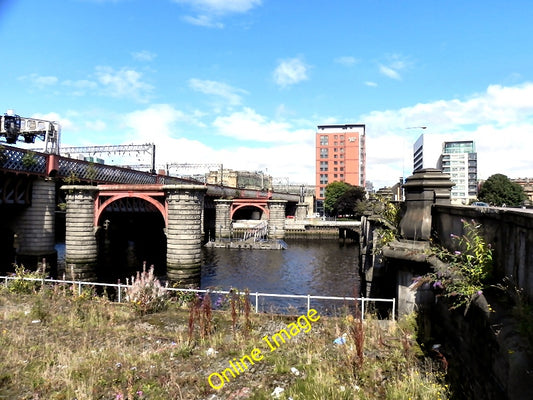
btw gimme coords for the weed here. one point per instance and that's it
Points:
(466, 271)
(146, 293)
(22, 286)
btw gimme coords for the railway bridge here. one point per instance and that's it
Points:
(35, 187)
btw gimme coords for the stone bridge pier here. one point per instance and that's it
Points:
(181, 207)
(273, 209)
(35, 229)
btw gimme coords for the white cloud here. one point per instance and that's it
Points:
(393, 66)
(143, 55)
(230, 94)
(500, 121)
(222, 6)
(80, 87)
(290, 71)
(211, 10)
(347, 61)
(40, 81)
(123, 83)
(285, 151)
(203, 20)
(371, 84)
(247, 125)
(389, 72)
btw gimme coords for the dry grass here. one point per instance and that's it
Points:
(84, 347)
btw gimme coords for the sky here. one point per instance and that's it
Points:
(245, 83)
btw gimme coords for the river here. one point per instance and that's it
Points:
(314, 267)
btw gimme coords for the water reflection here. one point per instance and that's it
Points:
(315, 267)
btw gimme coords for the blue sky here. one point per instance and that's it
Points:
(246, 82)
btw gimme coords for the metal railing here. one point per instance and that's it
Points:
(120, 287)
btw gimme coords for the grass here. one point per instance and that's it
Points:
(55, 344)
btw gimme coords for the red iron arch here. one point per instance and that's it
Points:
(100, 207)
(240, 203)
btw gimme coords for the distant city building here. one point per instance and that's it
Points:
(527, 185)
(240, 179)
(459, 160)
(456, 158)
(426, 151)
(340, 157)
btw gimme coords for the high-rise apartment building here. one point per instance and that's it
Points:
(455, 158)
(340, 156)
(459, 160)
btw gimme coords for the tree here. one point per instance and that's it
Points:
(342, 198)
(498, 190)
(348, 202)
(332, 193)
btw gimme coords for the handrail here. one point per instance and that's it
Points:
(120, 287)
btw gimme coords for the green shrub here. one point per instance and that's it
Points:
(20, 285)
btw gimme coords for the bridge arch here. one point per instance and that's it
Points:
(238, 204)
(263, 208)
(102, 205)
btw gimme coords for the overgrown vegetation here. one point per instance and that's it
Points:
(57, 344)
(29, 159)
(145, 293)
(465, 272)
(21, 284)
(389, 215)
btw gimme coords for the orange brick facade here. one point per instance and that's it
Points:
(340, 156)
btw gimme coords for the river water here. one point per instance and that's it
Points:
(306, 267)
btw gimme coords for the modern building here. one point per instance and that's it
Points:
(459, 160)
(456, 158)
(340, 157)
(426, 151)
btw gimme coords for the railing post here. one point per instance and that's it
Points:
(308, 303)
(256, 302)
(79, 288)
(362, 308)
(119, 292)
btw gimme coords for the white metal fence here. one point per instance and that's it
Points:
(120, 288)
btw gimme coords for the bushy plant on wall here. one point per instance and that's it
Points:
(464, 273)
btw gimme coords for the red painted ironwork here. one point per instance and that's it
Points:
(240, 203)
(108, 194)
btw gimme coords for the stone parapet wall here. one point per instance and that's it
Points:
(509, 231)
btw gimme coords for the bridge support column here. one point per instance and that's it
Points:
(301, 211)
(276, 222)
(184, 232)
(223, 219)
(36, 229)
(81, 253)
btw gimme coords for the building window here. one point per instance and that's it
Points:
(323, 165)
(323, 140)
(323, 153)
